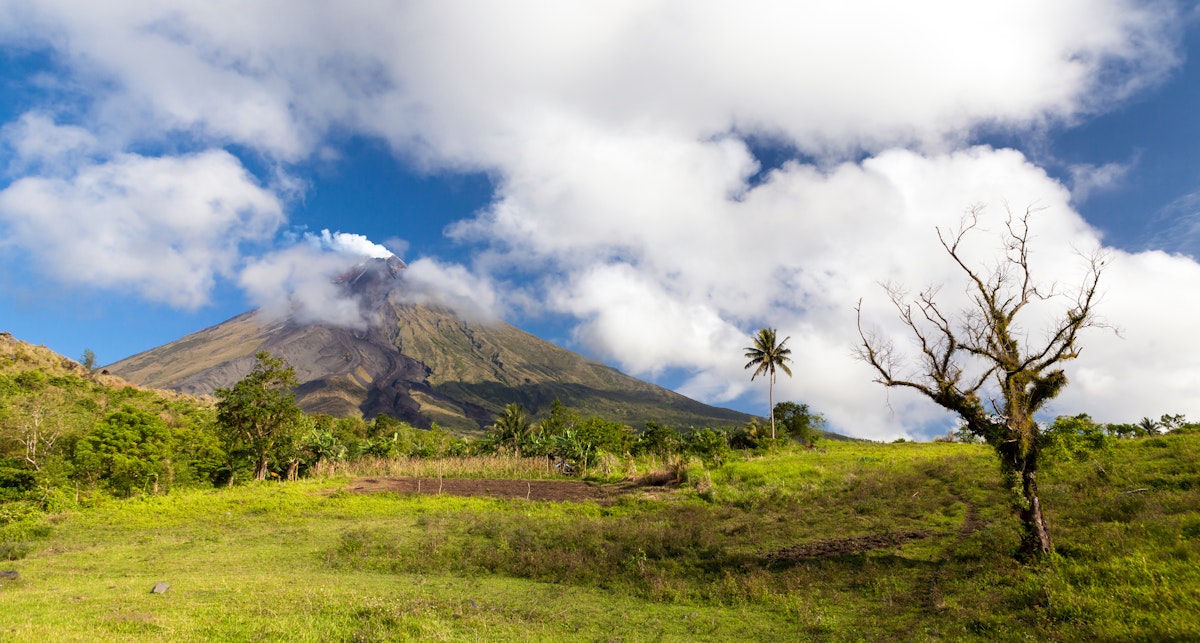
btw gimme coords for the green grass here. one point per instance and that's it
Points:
(714, 560)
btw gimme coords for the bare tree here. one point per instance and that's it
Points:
(960, 356)
(34, 418)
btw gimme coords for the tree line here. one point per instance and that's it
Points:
(62, 434)
(69, 433)
(578, 441)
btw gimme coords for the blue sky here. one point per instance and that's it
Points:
(646, 182)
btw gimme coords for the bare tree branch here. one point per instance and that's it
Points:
(989, 338)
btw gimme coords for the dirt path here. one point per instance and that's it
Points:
(935, 598)
(844, 546)
(551, 490)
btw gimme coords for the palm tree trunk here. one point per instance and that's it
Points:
(771, 401)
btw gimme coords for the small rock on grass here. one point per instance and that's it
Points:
(160, 588)
(9, 574)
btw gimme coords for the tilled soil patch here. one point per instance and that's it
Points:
(843, 546)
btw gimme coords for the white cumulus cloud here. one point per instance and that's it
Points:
(627, 195)
(164, 227)
(429, 281)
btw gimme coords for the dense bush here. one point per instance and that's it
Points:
(709, 445)
(15, 480)
(657, 440)
(798, 421)
(1075, 437)
(130, 449)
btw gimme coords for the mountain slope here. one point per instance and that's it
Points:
(418, 363)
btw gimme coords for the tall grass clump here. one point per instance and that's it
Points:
(499, 465)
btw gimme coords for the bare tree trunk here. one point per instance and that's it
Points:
(1037, 533)
(1035, 541)
(260, 470)
(30, 437)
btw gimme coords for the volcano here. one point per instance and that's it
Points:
(419, 363)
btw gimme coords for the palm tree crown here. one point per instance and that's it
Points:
(766, 355)
(512, 427)
(1149, 427)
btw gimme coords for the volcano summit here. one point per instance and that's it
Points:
(418, 363)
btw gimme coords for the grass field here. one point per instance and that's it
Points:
(852, 542)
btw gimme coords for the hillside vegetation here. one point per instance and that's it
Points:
(65, 430)
(859, 542)
(719, 534)
(62, 426)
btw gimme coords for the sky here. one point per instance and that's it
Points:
(647, 182)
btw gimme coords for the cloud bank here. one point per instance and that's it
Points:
(629, 196)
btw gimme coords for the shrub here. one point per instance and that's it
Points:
(1075, 437)
(707, 444)
(129, 449)
(15, 481)
(656, 439)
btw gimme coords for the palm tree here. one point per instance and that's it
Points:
(767, 355)
(511, 428)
